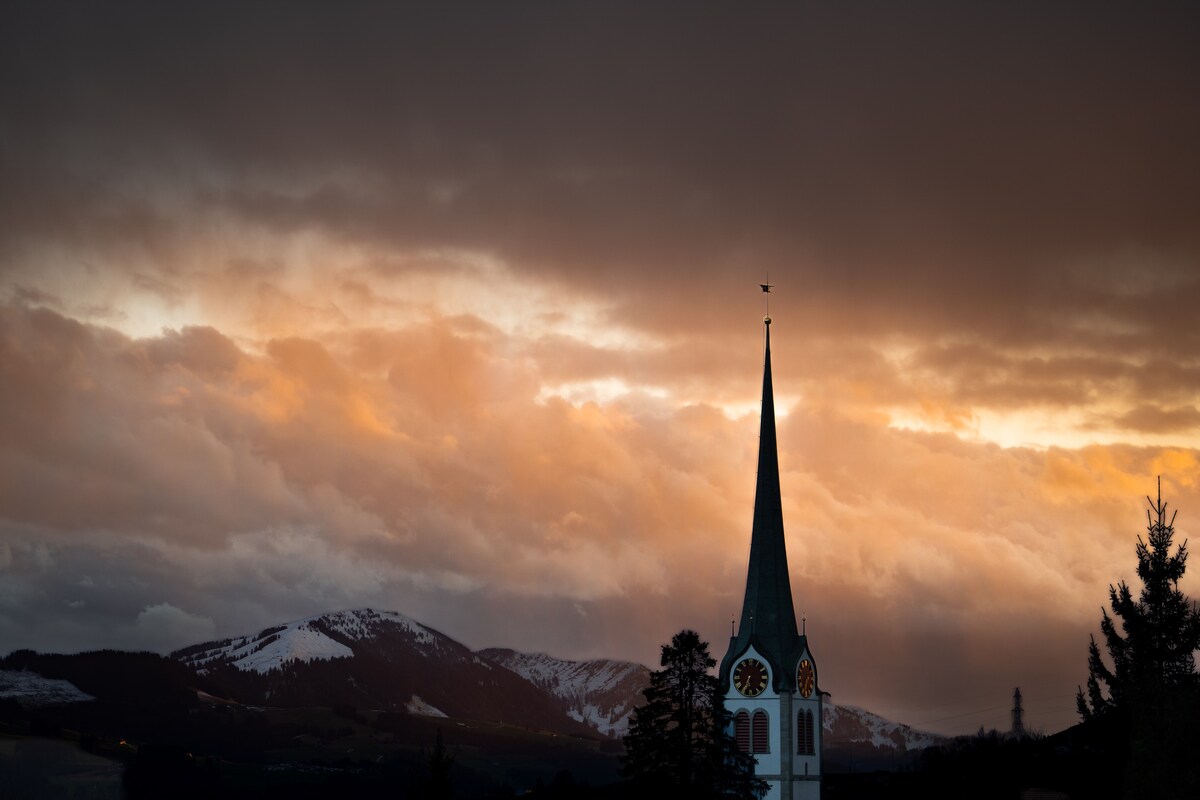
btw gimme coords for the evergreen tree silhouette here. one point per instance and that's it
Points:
(440, 786)
(1161, 628)
(1146, 705)
(679, 741)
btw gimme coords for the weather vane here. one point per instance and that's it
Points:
(767, 287)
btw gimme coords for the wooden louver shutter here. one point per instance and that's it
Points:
(741, 731)
(762, 736)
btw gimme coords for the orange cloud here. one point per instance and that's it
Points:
(421, 462)
(491, 354)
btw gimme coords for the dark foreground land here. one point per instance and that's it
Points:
(150, 734)
(210, 749)
(229, 751)
(161, 737)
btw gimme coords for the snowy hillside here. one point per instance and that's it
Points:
(324, 637)
(30, 689)
(385, 660)
(849, 724)
(376, 660)
(600, 693)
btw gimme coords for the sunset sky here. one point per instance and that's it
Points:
(453, 310)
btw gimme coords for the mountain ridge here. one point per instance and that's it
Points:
(594, 697)
(377, 660)
(598, 692)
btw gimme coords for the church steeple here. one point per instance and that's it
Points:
(769, 681)
(768, 617)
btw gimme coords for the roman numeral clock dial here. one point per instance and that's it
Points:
(750, 677)
(806, 678)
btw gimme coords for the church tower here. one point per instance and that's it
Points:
(769, 676)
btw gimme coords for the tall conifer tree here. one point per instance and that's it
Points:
(679, 740)
(1147, 717)
(1161, 628)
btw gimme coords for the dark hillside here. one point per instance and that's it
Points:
(114, 676)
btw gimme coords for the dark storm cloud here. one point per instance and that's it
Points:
(1161, 420)
(325, 235)
(930, 165)
(173, 486)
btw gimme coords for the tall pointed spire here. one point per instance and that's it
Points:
(768, 642)
(768, 617)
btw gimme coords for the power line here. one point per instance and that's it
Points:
(957, 716)
(993, 708)
(1050, 711)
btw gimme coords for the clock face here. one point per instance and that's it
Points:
(805, 678)
(750, 677)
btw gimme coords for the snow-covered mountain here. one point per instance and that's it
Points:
(372, 659)
(323, 637)
(850, 724)
(385, 660)
(601, 693)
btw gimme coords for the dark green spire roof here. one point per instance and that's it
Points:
(768, 616)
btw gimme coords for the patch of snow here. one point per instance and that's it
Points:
(363, 624)
(595, 692)
(569, 679)
(614, 722)
(869, 727)
(307, 640)
(205, 697)
(274, 647)
(295, 643)
(421, 708)
(31, 689)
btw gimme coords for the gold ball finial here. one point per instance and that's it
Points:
(767, 319)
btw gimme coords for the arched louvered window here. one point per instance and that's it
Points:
(806, 744)
(761, 740)
(741, 731)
